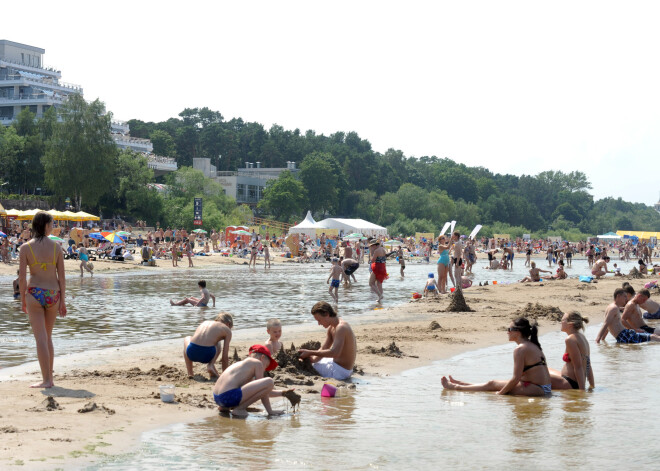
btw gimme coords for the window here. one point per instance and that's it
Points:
(240, 192)
(252, 192)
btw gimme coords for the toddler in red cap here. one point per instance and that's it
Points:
(243, 383)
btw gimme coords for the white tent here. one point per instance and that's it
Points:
(307, 227)
(609, 236)
(348, 226)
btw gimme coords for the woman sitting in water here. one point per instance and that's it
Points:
(534, 274)
(577, 367)
(561, 274)
(530, 371)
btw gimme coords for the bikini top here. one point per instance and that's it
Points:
(541, 362)
(567, 359)
(43, 264)
(381, 259)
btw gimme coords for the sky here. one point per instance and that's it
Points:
(517, 87)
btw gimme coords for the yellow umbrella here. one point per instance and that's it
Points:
(2, 211)
(86, 216)
(27, 215)
(58, 215)
(14, 213)
(71, 216)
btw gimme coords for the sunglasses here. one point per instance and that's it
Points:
(513, 329)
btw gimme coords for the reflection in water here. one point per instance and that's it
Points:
(406, 422)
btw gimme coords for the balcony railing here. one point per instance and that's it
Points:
(43, 70)
(36, 98)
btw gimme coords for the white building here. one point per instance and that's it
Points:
(121, 135)
(247, 184)
(26, 82)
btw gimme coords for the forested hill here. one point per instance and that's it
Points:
(342, 175)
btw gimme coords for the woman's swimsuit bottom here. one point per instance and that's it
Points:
(84, 257)
(444, 258)
(46, 297)
(229, 399)
(200, 354)
(572, 382)
(630, 336)
(547, 388)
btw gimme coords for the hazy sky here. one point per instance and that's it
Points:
(517, 87)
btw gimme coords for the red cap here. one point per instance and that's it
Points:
(265, 351)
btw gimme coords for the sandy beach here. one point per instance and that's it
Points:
(120, 385)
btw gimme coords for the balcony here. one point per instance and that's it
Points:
(65, 87)
(33, 99)
(160, 165)
(50, 71)
(134, 143)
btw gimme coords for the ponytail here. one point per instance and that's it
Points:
(528, 330)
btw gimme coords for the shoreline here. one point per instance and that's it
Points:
(125, 379)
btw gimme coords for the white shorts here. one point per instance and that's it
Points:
(329, 369)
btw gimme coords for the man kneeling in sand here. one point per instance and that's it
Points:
(614, 326)
(204, 345)
(336, 357)
(243, 383)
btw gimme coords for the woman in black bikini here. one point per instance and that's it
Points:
(577, 367)
(530, 372)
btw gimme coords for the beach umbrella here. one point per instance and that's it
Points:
(58, 215)
(70, 215)
(200, 231)
(83, 216)
(55, 238)
(27, 215)
(242, 232)
(96, 235)
(123, 233)
(393, 242)
(13, 213)
(113, 237)
(355, 235)
(2, 234)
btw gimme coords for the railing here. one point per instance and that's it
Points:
(49, 70)
(226, 174)
(35, 97)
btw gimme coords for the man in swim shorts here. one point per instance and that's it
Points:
(652, 308)
(614, 326)
(336, 357)
(350, 266)
(632, 314)
(243, 383)
(204, 345)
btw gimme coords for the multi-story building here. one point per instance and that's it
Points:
(247, 184)
(26, 82)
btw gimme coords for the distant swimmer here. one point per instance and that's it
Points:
(202, 301)
(336, 357)
(577, 361)
(614, 326)
(530, 371)
(243, 383)
(204, 345)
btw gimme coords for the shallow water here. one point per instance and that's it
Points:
(119, 309)
(409, 422)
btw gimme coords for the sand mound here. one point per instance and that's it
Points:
(635, 273)
(390, 351)
(161, 373)
(91, 407)
(536, 311)
(289, 360)
(458, 303)
(434, 326)
(48, 404)
(8, 429)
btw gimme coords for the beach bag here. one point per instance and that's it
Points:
(586, 279)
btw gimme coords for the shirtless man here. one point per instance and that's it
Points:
(243, 383)
(632, 314)
(377, 260)
(336, 357)
(350, 266)
(457, 259)
(613, 325)
(652, 308)
(348, 250)
(202, 301)
(204, 345)
(600, 267)
(534, 274)
(508, 251)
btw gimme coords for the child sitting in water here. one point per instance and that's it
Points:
(201, 302)
(431, 286)
(274, 329)
(243, 383)
(204, 345)
(336, 273)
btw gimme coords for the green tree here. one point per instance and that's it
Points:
(284, 196)
(80, 156)
(163, 143)
(133, 192)
(320, 180)
(11, 147)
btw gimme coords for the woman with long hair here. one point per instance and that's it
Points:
(530, 371)
(577, 362)
(42, 298)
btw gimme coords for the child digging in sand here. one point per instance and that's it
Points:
(274, 329)
(204, 345)
(431, 286)
(243, 383)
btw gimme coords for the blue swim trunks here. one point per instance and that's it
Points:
(648, 315)
(229, 399)
(630, 336)
(200, 354)
(202, 305)
(431, 288)
(334, 283)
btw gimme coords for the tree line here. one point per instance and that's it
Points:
(340, 175)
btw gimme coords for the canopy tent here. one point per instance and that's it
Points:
(347, 226)
(609, 236)
(307, 227)
(2, 211)
(642, 235)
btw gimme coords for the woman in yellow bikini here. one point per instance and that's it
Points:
(43, 297)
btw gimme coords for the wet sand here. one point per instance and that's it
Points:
(123, 382)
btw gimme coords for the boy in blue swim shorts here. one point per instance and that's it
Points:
(243, 383)
(336, 274)
(431, 286)
(204, 345)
